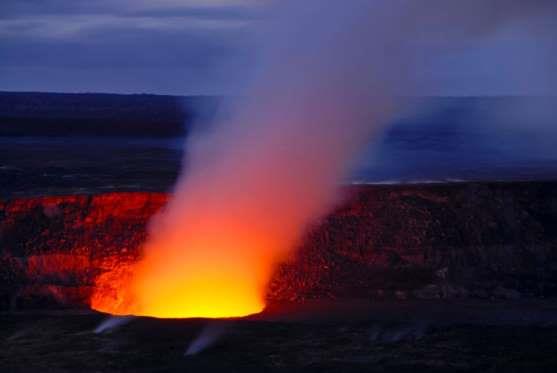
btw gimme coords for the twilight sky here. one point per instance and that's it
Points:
(203, 46)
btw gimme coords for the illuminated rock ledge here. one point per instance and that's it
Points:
(410, 241)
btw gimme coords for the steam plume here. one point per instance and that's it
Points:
(208, 337)
(328, 76)
(112, 323)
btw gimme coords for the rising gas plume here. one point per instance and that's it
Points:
(274, 166)
(326, 81)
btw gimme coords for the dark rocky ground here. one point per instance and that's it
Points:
(384, 337)
(54, 166)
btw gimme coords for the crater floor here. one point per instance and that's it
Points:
(462, 336)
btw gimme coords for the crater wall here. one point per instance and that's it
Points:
(484, 240)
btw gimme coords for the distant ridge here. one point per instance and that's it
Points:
(163, 116)
(100, 114)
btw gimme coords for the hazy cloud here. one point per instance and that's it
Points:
(106, 38)
(103, 44)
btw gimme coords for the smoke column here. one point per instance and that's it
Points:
(327, 78)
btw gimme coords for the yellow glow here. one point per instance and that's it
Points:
(202, 275)
(211, 298)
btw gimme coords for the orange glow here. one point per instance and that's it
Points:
(212, 250)
(201, 262)
(220, 271)
(272, 165)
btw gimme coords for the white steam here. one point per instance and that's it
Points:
(327, 79)
(209, 335)
(112, 323)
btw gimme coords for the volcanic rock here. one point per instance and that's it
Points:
(504, 293)
(423, 241)
(431, 291)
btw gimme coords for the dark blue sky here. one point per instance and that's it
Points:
(203, 46)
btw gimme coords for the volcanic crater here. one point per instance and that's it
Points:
(470, 240)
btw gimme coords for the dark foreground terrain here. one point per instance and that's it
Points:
(385, 337)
